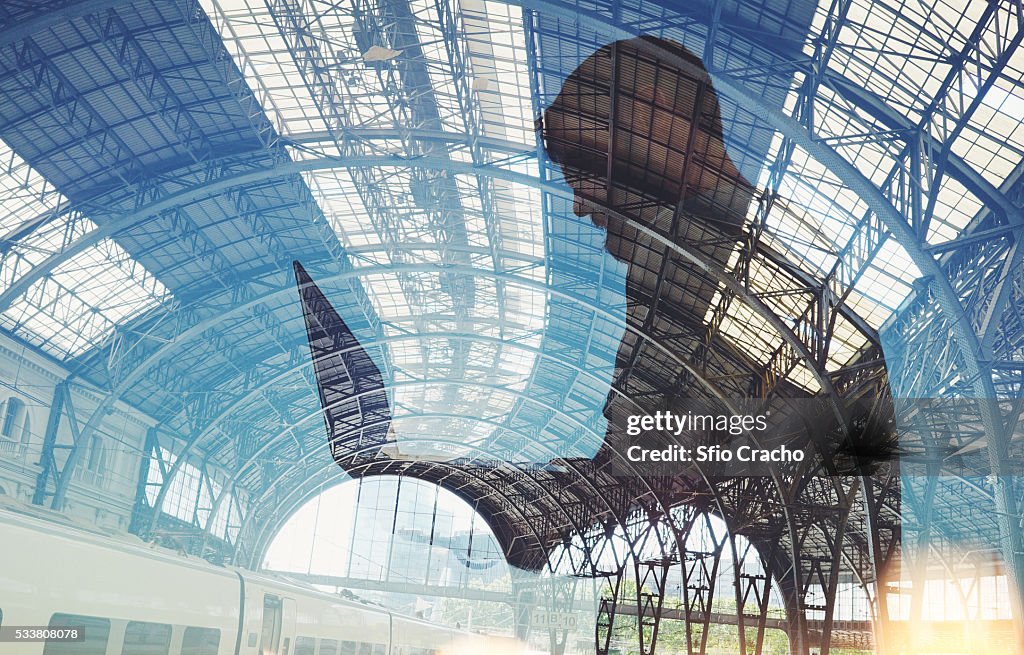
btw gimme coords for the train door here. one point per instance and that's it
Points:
(273, 616)
(288, 626)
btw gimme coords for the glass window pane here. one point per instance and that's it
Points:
(305, 646)
(200, 641)
(96, 632)
(146, 639)
(327, 646)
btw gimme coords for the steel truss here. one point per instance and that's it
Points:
(973, 288)
(645, 531)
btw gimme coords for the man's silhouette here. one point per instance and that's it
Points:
(639, 137)
(637, 132)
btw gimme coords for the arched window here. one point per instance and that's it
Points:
(385, 537)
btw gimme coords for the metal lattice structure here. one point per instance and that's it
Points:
(164, 163)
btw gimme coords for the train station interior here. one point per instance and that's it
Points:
(372, 303)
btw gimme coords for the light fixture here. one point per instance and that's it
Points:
(379, 53)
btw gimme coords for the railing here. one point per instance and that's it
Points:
(10, 449)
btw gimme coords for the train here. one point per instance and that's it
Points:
(68, 591)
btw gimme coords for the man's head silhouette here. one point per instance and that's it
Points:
(640, 118)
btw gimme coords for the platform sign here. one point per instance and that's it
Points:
(552, 620)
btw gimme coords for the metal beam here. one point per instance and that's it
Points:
(50, 14)
(47, 458)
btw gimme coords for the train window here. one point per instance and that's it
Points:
(95, 629)
(348, 648)
(327, 647)
(365, 649)
(146, 638)
(305, 646)
(379, 649)
(200, 641)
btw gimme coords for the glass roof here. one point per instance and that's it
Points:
(496, 313)
(476, 83)
(501, 222)
(80, 303)
(902, 51)
(894, 50)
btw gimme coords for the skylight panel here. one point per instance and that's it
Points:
(755, 336)
(869, 309)
(26, 199)
(846, 342)
(77, 305)
(955, 207)
(802, 377)
(24, 193)
(260, 52)
(497, 45)
(812, 217)
(901, 52)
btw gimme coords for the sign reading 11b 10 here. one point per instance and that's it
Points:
(541, 618)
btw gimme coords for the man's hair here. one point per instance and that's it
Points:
(667, 122)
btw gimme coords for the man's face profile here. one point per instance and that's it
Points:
(589, 199)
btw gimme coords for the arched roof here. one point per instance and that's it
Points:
(165, 162)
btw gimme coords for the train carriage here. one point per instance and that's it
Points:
(132, 598)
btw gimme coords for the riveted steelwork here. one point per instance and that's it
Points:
(639, 534)
(231, 187)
